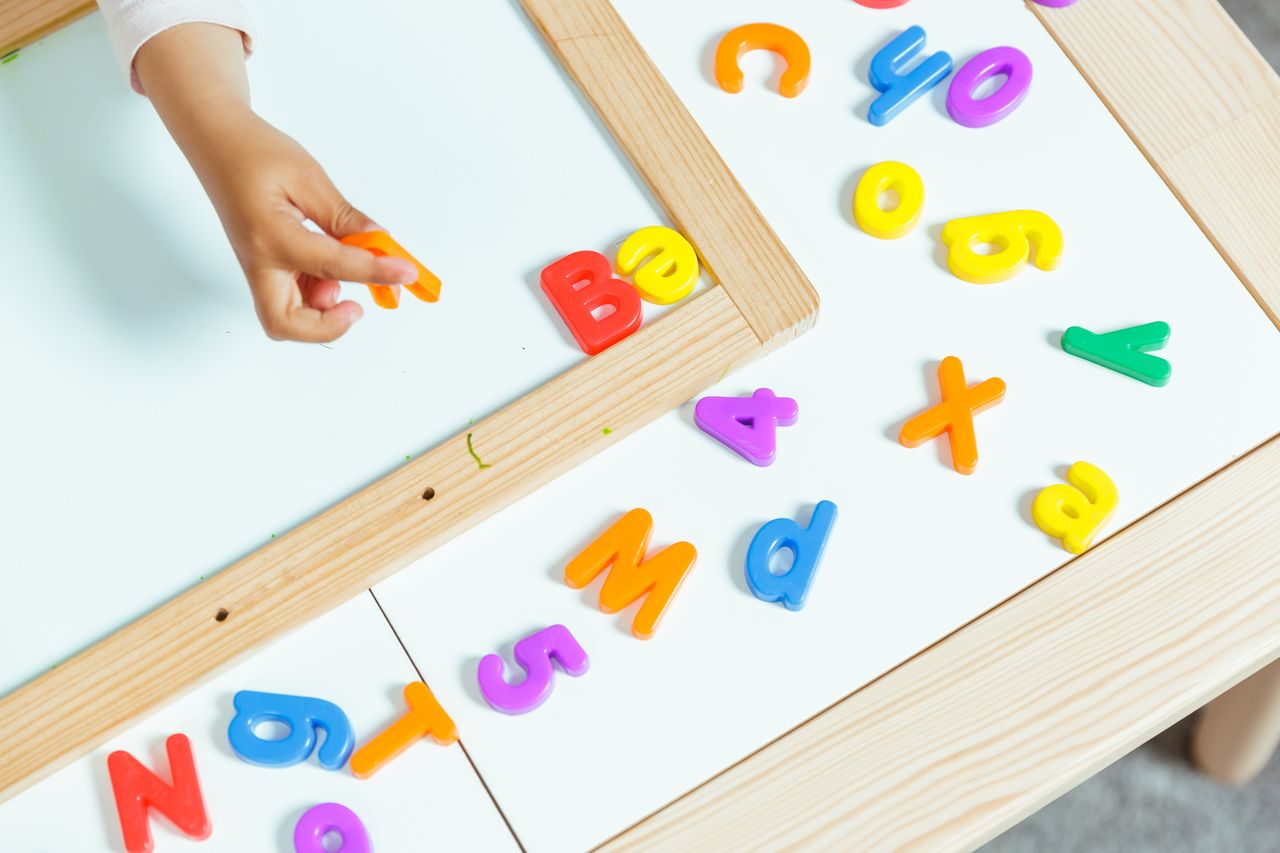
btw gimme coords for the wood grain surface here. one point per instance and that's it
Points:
(24, 21)
(695, 187)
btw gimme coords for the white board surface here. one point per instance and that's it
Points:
(151, 434)
(427, 798)
(918, 549)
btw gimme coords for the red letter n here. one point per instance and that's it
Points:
(137, 790)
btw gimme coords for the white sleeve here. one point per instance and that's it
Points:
(130, 23)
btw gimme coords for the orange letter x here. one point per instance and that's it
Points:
(954, 415)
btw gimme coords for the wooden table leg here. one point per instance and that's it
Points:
(1239, 730)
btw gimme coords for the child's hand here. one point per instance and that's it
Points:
(264, 185)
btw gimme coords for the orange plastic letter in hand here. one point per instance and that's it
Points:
(425, 717)
(623, 548)
(599, 310)
(426, 288)
(954, 415)
(137, 790)
(780, 40)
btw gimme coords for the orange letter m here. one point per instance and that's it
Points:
(623, 547)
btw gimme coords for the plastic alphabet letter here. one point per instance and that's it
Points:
(780, 40)
(303, 715)
(534, 653)
(881, 4)
(899, 90)
(1126, 351)
(318, 821)
(424, 717)
(806, 545)
(581, 284)
(884, 177)
(1076, 512)
(137, 790)
(1012, 233)
(954, 415)
(972, 112)
(747, 425)
(427, 286)
(623, 547)
(672, 273)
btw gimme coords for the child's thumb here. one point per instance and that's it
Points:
(329, 209)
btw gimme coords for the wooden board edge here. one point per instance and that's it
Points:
(25, 21)
(696, 189)
(1203, 106)
(960, 742)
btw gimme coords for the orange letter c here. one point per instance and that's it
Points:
(778, 39)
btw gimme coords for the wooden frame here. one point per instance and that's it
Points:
(24, 21)
(963, 740)
(761, 300)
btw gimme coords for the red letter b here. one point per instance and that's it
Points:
(581, 284)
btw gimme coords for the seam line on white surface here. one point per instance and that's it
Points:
(461, 745)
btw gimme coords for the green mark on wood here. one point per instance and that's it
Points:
(726, 373)
(471, 449)
(1125, 350)
(407, 457)
(607, 430)
(9, 57)
(273, 536)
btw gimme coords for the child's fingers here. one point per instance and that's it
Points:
(285, 316)
(321, 295)
(322, 256)
(310, 325)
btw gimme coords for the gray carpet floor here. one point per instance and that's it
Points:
(1153, 800)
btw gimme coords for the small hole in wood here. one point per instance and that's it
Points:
(428, 494)
(221, 615)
